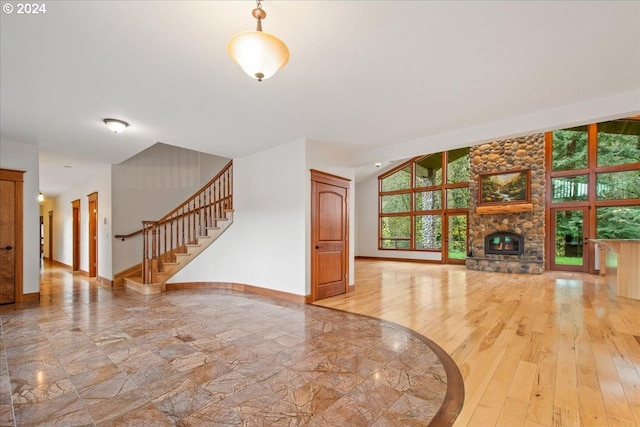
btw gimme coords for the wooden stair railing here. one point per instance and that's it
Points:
(170, 235)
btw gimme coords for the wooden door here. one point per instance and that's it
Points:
(50, 236)
(329, 235)
(75, 205)
(11, 218)
(93, 234)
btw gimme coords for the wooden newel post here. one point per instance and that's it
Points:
(149, 245)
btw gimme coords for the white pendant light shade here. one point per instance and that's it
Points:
(259, 54)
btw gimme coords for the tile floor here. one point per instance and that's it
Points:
(91, 355)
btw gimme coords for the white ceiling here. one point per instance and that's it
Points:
(385, 80)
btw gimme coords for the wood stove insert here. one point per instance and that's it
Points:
(504, 243)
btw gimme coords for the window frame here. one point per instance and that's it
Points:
(414, 212)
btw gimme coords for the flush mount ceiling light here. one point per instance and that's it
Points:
(259, 54)
(115, 125)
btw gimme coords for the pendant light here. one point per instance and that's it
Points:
(259, 54)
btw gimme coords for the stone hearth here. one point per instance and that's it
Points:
(503, 156)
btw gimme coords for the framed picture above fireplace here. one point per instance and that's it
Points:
(505, 188)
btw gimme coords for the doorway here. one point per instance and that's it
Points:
(11, 228)
(455, 245)
(93, 234)
(75, 217)
(570, 233)
(50, 235)
(329, 235)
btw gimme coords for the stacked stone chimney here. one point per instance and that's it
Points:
(503, 156)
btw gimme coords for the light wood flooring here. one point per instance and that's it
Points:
(557, 349)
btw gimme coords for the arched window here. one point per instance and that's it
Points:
(423, 200)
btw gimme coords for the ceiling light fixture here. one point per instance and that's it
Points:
(259, 54)
(115, 125)
(41, 197)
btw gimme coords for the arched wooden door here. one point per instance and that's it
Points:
(329, 235)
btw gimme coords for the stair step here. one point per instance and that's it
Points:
(135, 284)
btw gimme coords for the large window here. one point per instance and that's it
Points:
(595, 189)
(416, 197)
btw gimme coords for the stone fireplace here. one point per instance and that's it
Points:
(494, 232)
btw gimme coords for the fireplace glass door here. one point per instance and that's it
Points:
(569, 226)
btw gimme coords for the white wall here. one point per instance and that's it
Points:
(24, 157)
(148, 186)
(266, 245)
(100, 182)
(367, 226)
(332, 160)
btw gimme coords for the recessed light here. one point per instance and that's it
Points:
(378, 164)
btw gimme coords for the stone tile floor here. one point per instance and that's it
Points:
(91, 355)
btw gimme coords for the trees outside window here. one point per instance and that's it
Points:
(416, 196)
(597, 168)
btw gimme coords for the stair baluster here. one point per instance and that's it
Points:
(171, 234)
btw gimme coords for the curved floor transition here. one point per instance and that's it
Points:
(88, 354)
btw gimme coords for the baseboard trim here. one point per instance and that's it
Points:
(238, 287)
(60, 264)
(376, 258)
(104, 281)
(30, 297)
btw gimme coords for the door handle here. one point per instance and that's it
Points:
(317, 247)
(8, 248)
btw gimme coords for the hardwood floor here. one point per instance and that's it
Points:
(557, 349)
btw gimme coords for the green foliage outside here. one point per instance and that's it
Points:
(570, 149)
(427, 231)
(618, 144)
(566, 260)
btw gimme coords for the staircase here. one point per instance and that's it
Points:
(171, 242)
